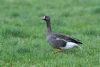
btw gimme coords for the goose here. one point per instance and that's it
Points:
(57, 40)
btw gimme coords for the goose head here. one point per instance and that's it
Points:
(46, 18)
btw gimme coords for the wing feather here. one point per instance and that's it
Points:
(67, 38)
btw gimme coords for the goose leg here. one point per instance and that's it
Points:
(59, 50)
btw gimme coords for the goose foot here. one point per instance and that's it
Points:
(59, 50)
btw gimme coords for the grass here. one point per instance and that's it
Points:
(22, 32)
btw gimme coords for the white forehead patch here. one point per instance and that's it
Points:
(43, 17)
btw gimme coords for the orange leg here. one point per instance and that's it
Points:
(59, 50)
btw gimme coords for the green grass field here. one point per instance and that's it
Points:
(23, 38)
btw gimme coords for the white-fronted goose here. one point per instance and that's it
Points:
(57, 40)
